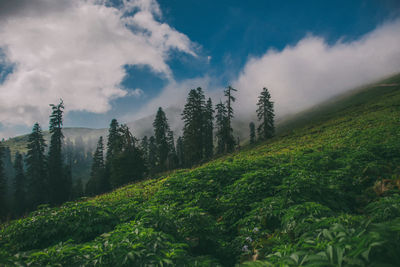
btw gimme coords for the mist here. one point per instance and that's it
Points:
(311, 71)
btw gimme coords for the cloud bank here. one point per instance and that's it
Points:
(77, 50)
(312, 71)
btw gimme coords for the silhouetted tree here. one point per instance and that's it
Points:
(129, 164)
(193, 129)
(161, 130)
(36, 170)
(58, 179)
(98, 182)
(113, 148)
(265, 114)
(208, 130)
(252, 133)
(230, 141)
(20, 186)
(222, 130)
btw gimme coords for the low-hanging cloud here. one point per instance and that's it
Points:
(77, 50)
(312, 71)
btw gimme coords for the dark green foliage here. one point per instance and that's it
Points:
(230, 142)
(36, 170)
(113, 143)
(162, 141)
(128, 164)
(59, 181)
(113, 147)
(20, 202)
(208, 130)
(265, 114)
(222, 130)
(252, 128)
(63, 224)
(98, 182)
(193, 116)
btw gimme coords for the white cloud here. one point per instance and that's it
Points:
(312, 71)
(76, 50)
(136, 93)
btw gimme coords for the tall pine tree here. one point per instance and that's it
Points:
(20, 186)
(265, 114)
(113, 148)
(208, 129)
(222, 131)
(58, 178)
(230, 140)
(98, 183)
(193, 129)
(38, 186)
(129, 164)
(161, 130)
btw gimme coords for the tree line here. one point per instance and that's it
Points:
(42, 178)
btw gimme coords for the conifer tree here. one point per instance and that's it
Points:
(38, 186)
(193, 130)
(161, 130)
(113, 148)
(265, 114)
(179, 151)
(129, 164)
(98, 182)
(252, 132)
(58, 178)
(208, 130)
(3, 187)
(113, 142)
(230, 141)
(221, 127)
(20, 186)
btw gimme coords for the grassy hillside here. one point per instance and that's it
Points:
(322, 193)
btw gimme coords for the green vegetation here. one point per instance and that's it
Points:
(323, 192)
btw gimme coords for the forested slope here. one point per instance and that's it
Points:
(325, 192)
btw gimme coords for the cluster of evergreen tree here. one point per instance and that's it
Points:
(38, 178)
(124, 161)
(41, 179)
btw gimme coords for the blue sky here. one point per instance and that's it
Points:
(221, 39)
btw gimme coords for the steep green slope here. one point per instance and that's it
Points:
(323, 193)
